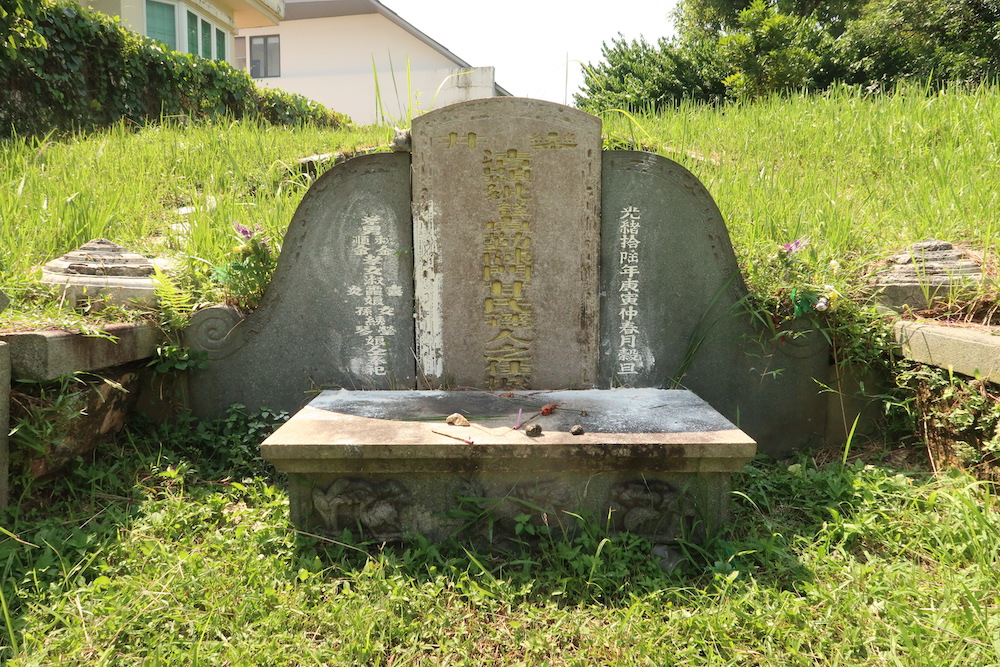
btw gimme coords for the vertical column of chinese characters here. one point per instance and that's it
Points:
(629, 361)
(373, 298)
(507, 267)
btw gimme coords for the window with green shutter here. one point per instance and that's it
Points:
(220, 44)
(161, 23)
(192, 32)
(206, 39)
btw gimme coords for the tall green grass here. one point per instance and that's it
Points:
(858, 175)
(126, 185)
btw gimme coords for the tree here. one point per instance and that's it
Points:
(636, 75)
(17, 29)
(773, 52)
(936, 40)
(747, 48)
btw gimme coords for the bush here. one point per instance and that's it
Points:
(69, 68)
(744, 49)
(640, 76)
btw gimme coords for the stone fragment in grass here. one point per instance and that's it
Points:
(457, 419)
(101, 272)
(930, 271)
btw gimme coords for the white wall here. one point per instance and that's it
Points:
(330, 60)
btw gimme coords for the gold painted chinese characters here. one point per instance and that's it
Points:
(507, 267)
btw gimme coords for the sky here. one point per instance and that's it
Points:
(529, 42)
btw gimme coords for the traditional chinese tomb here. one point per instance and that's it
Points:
(507, 264)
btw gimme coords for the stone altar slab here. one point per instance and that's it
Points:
(506, 202)
(386, 464)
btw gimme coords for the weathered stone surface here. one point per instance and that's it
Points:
(932, 270)
(89, 415)
(969, 351)
(670, 284)
(506, 198)
(102, 271)
(46, 355)
(338, 311)
(656, 462)
(4, 424)
(4, 302)
(673, 311)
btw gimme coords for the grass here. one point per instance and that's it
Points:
(858, 176)
(174, 546)
(164, 553)
(127, 185)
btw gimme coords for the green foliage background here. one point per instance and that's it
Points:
(65, 67)
(744, 49)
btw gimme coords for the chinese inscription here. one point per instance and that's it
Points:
(507, 268)
(374, 299)
(551, 140)
(629, 359)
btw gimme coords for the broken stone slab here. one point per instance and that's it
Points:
(970, 351)
(90, 413)
(47, 355)
(929, 271)
(387, 464)
(102, 271)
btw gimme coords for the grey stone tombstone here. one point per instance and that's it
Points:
(670, 284)
(338, 311)
(506, 200)
(673, 310)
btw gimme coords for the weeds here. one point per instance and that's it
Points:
(959, 419)
(187, 184)
(165, 551)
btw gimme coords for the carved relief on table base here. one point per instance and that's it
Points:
(374, 506)
(653, 509)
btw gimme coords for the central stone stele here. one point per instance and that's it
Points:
(492, 261)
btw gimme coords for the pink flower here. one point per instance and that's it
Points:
(244, 232)
(794, 246)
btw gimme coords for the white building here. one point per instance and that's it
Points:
(359, 58)
(202, 27)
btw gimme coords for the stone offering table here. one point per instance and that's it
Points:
(385, 463)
